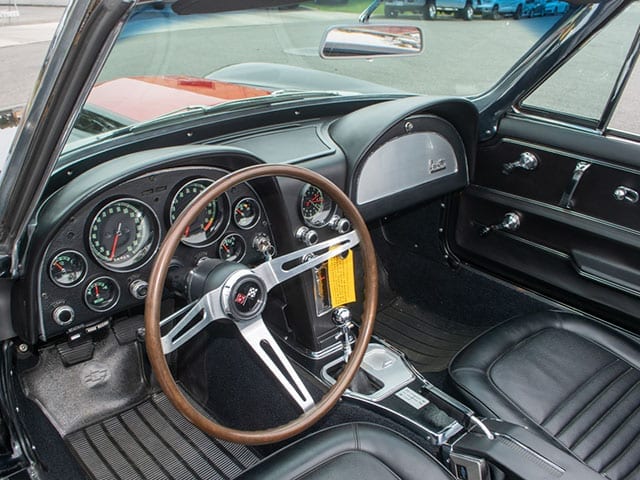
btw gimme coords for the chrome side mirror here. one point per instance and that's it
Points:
(349, 41)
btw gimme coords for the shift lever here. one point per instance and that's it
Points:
(342, 319)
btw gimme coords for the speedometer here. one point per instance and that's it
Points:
(124, 234)
(316, 208)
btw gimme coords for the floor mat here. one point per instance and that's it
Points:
(428, 340)
(153, 440)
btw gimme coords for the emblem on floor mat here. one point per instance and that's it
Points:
(94, 375)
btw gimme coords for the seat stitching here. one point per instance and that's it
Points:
(593, 401)
(572, 395)
(622, 454)
(612, 435)
(605, 415)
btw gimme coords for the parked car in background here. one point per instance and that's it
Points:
(429, 8)
(495, 9)
(554, 7)
(533, 8)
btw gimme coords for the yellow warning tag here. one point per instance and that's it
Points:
(342, 284)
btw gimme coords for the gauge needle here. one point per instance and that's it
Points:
(60, 267)
(115, 241)
(97, 290)
(208, 225)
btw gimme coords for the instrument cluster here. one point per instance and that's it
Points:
(99, 261)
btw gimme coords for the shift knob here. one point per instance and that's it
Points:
(341, 316)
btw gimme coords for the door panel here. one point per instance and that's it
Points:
(576, 242)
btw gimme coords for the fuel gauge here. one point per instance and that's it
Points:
(246, 213)
(67, 268)
(102, 294)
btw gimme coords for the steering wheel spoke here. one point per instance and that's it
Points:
(191, 320)
(284, 267)
(259, 338)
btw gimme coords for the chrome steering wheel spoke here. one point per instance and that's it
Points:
(284, 267)
(191, 320)
(259, 338)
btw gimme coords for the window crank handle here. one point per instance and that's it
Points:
(510, 222)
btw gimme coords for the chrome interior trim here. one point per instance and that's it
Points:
(383, 365)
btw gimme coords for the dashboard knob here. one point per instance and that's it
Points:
(307, 236)
(63, 315)
(139, 289)
(340, 224)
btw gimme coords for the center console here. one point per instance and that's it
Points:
(386, 382)
(472, 448)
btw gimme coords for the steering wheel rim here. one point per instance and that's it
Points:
(157, 279)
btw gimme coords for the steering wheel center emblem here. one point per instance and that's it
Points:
(244, 297)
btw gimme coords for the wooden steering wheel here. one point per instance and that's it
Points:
(238, 293)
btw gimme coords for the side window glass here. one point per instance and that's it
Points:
(582, 86)
(626, 117)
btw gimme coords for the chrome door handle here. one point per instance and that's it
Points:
(528, 161)
(623, 193)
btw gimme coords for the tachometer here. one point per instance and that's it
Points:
(124, 235)
(316, 208)
(67, 268)
(203, 230)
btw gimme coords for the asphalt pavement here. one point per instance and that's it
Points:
(24, 41)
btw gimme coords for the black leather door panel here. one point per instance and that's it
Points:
(578, 239)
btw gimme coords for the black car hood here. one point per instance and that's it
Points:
(275, 76)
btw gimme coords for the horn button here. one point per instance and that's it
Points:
(244, 296)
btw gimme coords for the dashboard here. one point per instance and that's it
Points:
(99, 260)
(97, 233)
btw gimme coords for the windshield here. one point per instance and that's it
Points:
(167, 66)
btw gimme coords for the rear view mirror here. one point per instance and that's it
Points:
(371, 41)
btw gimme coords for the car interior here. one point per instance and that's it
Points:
(404, 287)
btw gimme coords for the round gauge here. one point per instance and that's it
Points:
(68, 268)
(102, 294)
(232, 248)
(203, 230)
(316, 207)
(124, 235)
(246, 213)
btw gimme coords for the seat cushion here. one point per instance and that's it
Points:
(350, 451)
(574, 379)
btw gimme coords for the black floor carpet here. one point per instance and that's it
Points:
(430, 310)
(152, 440)
(428, 340)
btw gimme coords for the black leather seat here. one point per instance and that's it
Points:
(574, 379)
(348, 452)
